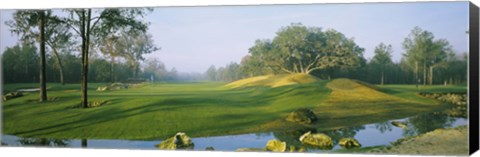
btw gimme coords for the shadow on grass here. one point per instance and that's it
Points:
(106, 114)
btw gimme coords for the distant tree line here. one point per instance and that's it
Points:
(20, 65)
(330, 54)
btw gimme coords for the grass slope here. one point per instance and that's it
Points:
(353, 103)
(157, 111)
(273, 80)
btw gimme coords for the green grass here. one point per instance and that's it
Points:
(157, 111)
(410, 91)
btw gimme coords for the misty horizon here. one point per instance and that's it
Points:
(194, 38)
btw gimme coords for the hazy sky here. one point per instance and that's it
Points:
(193, 38)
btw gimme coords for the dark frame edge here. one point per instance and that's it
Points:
(473, 78)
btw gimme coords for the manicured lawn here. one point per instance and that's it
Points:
(159, 110)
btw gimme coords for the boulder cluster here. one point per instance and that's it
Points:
(178, 141)
(274, 146)
(318, 139)
(453, 98)
(113, 86)
(349, 143)
(310, 139)
(302, 116)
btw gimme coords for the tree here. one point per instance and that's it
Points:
(134, 46)
(30, 26)
(111, 48)
(102, 24)
(415, 46)
(440, 51)
(422, 49)
(300, 49)
(59, 41)
(154, 70)
(43, 79)
(57, 36)
(252, 66)
(25, 66)
(211, 73)
(382, 59)
(457, 69)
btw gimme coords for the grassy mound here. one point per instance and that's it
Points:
(273, 80)
(348, 90)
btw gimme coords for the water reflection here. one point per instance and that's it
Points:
(383, 127)
(43, 142)
(457, 111)
(336, 135)
(262, 134)
(292, 137)
(427, 122)
(84, 143)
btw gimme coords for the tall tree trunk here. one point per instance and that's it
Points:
(302, 70)
(112, 64)
(382, 78)
(43, 89)
(430, 76)
(85, 23)
(416, 74)
(84, 52)
(135, 71)
(60, 66)
(295, 68)
(424, 74)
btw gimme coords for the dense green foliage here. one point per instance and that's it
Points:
(20, 64)
(300, 49)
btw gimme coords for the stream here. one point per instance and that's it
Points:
(374, 134)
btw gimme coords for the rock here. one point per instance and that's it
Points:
(302, 115)
(117, 86)
(210, 148)
(179, 141)
(276, 146)
(250, 150)
(113, 86)
(459, 99)
(102, 88)
(319, 140)
(402, 125)
(349, 143)
(12, 95)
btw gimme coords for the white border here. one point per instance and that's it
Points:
(36, 4)
(51, 152)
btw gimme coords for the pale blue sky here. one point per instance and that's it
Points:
(193, 38)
